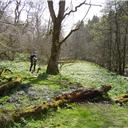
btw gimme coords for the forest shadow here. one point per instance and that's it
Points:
(40, 77)
(11, 91)
(43, 76)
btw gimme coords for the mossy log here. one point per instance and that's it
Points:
(83, 94)
(122, 99)
(6, 87)
(75, 96)
(38, 109)
(59, 101)
(5, 118)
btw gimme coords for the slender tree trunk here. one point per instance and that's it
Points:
(110, 42)
(118, 41)
(124, 49)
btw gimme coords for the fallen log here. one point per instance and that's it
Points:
(5, 118)
(122, 99)
(75, 96)
(59, 101)
(38, 109)
(9, 116)
(6, 87)
(83, 94)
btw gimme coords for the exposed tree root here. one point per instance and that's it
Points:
(6, 87)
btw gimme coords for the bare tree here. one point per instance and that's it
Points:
(57, 24)
(3, 6)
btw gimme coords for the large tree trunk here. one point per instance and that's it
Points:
(53, 61)
(52, 67)
(55, 50)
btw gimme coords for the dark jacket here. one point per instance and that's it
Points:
(33, 58)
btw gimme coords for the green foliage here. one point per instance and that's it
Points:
(4, 99)
(21, 57)
(95, 29)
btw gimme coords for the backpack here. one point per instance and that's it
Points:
(34, 59)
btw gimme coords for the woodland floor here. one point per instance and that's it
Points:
(38, 88)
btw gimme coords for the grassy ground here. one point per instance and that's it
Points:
(36, 89)
(83, 116)
(92, 75)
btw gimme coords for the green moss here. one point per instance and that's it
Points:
(4, 99)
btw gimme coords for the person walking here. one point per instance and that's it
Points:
(33, 62)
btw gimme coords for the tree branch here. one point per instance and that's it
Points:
(73, 30)
(2, 9)
(5, 47)
(78, 6)
(76, 28)
(68, 13)
(123, 10)
(9, 2)
(52, 12)
(6, 22)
